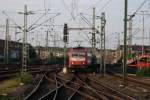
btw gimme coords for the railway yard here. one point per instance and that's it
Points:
(75, 50)
(55, 85)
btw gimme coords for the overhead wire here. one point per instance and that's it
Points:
(85, 19)
(65, 5)
(73, 9)
(107, 3)
(142, 4)
(136, 12)
(45, 6)
(18, 26)
(37, 20)
(31, 28)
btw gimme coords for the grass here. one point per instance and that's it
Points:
(8, 85)
(25, 78)
(143, 72)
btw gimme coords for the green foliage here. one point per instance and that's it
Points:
(143, 72)
(8, 85)
(4, 97)
(130, 56)
(25, 78)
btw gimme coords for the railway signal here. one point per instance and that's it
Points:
(65, 33)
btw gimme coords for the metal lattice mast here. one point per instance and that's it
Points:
(93, 36)
(130, 35)
(65, 39)
(103, 23)
(15, 34)
(6, 49)
(24, 52)
(46, 45)
(118, 40)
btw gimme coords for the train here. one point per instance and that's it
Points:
(15, 53)
(138, 57)
(139, 62)
(78, 58)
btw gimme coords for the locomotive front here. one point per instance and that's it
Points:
(77, 58)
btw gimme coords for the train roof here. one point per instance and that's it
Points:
(12, 43)
(78, 49)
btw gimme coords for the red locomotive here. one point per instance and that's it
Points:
(78, 57)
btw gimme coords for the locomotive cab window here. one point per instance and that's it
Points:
(78, 55)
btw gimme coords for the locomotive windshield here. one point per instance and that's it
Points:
(77, 54)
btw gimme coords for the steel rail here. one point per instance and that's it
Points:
(101, 92)
(135, 80)
(102, 96)
(130, 79)
(39, 84)
(77, 90)
(35, 89)
(53, 92)
(73, 94)
(85, 87)
(112, 90)
(54, 98)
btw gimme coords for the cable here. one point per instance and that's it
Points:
(96, 3)
(45, 6)
(85, 19)
(104, 6)
(65, 5)
(31, 28)
(68, 9)
(12, 21)
(133, 15)
(140, 7)
(38, 19)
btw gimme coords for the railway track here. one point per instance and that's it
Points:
(56, 86)
(132, 79)
(12, 71)
(141, 87)
(80, 91)
(134, 87)
(43, 87)
(75, 87)
(106, 92)
(71, 89)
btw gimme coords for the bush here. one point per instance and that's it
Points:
(25, 78)
(143, 72)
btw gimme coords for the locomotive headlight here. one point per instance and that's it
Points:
(65, 70)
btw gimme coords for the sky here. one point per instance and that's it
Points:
(70, 12)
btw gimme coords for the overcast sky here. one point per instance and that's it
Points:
(70, 13)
